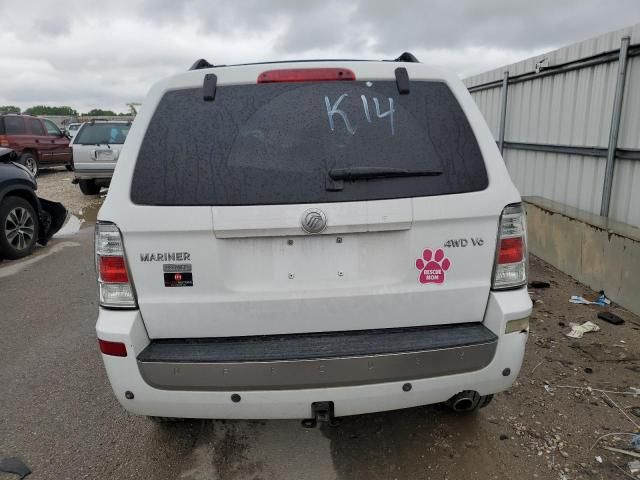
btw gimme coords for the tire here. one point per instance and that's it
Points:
(484, 401)
(18, 228)
(69, 167)
(165, 420)
(89, 187)
(30, 161)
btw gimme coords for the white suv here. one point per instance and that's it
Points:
(96, 148)
(309, 240)
(72, 129)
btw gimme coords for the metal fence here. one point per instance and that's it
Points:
(568, 123)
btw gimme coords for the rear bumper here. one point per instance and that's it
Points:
(87, 171)
(164, 386)
(281, 362)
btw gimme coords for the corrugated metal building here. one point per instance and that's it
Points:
(558, 120)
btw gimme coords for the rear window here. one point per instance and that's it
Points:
(102, 133)
(275, 144)
(36, 127)
(12, 126)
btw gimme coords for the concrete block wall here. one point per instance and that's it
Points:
(601, 253)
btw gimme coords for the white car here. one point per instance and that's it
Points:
(96, 148)
(72, 129)
(309, 240)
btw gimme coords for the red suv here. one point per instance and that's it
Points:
(38, 141)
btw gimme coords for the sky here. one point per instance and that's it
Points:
(104, 54)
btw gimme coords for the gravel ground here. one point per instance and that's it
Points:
(59, 415)
(55, 184)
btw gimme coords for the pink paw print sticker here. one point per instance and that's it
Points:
(432, 266)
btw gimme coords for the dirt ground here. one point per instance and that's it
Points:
(546, 426)
(554, 411)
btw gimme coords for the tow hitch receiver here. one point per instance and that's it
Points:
(320, 412)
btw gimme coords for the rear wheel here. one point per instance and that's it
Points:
(165, 420)
(18, 228)
(484, 401)
(89, 187)
(30, 161)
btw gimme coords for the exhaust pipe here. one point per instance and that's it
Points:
(465, 401)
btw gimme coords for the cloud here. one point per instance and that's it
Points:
(105, 54)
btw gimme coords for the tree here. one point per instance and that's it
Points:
(47, 110)
(9, 109)
(98, 112)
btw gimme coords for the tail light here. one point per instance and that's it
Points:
(116, 290)
(4, 141)
(510, 269)
(306, 75)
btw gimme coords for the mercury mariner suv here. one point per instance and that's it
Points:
(309, 240)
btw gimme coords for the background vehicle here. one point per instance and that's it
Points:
(24, 218)
(310, 239)
(38, 142)
(96, 148)
(72, 129)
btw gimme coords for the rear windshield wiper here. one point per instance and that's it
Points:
(338, 175)
(364, 173)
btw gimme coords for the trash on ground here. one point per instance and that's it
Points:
(634, 467)
(577, 331)
(534, 368)
(538, 284)
(635, 411)
(632, 390)
(598, 459)
(604, 395)
(601, 300)
(594, 297)
(588, 370)
(624, 452)
(52, 217)
(610, 434)
(635, 442)
(14, 465)
(611, 318)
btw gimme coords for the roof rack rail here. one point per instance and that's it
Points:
(407, 57)
(200, 64)
(106, 120)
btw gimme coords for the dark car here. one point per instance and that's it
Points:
(38, 142)
(25, 219)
